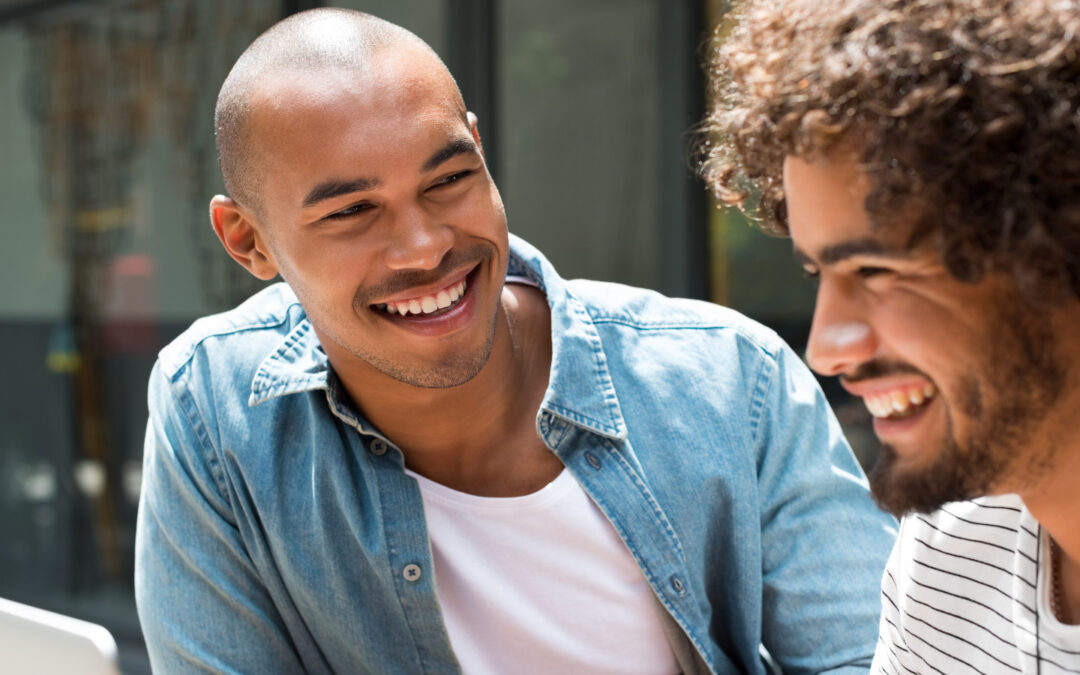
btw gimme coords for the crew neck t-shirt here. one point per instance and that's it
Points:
(541, 583)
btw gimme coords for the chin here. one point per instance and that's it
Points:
(451, 370)
(953, 474)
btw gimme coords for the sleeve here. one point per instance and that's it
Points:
(200, 600)
(824, 542)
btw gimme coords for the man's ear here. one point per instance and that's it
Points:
(475, 131)
(237, 232)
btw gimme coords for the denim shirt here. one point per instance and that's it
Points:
(278, 532)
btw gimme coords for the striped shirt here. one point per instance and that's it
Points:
(967, 591)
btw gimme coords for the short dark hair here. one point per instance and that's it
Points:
(299, 42)
(967, 109)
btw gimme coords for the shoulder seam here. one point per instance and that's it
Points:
(763, 382)
(173, 367)
(770, 347)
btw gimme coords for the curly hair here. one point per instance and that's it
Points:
(968, 110)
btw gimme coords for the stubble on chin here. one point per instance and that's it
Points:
(452, 371)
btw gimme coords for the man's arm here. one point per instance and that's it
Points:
(201, 603)
(824, 542)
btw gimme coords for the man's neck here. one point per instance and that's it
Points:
(479, 436)
(1066, 579)
(1055, 503)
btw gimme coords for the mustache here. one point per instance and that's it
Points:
(881, 368)
(455, 259)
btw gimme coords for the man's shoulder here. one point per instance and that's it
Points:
(984, 529)
(956, 575)
(241, 335)
(644, 311)
(969, 519)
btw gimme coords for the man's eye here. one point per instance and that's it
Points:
(867, 272)
(349, 211)
(453, 178)
(811, 273)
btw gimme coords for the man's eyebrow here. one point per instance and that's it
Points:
(848, 249)
(335, 188)
(458, 146)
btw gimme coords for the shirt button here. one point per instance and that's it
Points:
(411, 573)
(678, 585)
(378, 447)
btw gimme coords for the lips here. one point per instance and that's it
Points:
(898, 394)
(900, 402)
(900, 399)
(457, 291)
(428, 303)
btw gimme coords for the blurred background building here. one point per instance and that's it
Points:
(107, 164)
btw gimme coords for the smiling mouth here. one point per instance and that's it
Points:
(900, 403)
(433, 303)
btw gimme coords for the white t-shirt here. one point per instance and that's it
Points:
(967, 590)
(541, 584)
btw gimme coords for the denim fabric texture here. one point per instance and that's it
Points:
(278, 532)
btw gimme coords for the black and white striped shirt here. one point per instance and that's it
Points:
(967, 590)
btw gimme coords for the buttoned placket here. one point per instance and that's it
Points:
(407, 543)
(623, 497)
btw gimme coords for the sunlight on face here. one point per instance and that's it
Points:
(377, 198)
(957, 376)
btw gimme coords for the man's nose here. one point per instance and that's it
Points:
(841, 337)
(417, 240)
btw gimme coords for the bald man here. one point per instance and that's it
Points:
(424, 451)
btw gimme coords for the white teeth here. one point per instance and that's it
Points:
(878, 408)
(899, 402)
(870, 407)
(428, 303)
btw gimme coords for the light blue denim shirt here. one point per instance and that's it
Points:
(278, 532)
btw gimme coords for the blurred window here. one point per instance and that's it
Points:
(106, 130)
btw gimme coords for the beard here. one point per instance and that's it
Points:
(1006, 403)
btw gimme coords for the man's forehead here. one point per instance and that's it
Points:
(826, 199)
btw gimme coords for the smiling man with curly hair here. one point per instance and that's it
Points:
(924, 158)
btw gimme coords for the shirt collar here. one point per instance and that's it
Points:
(297, 364)
(580, 389)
